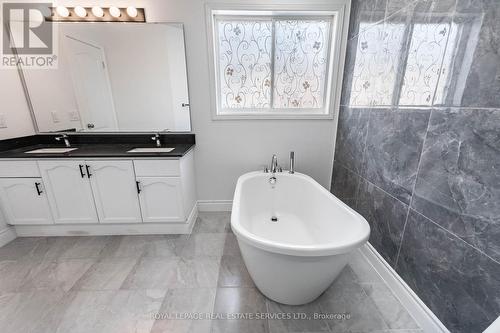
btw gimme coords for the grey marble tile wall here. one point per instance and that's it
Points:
(418, 147)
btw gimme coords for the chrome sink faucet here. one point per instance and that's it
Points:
(156, 138)
(65, 138)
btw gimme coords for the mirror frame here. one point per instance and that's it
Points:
(32, 110)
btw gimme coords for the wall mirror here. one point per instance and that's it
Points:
(113, 78)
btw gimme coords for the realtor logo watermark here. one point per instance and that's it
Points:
(28, 39)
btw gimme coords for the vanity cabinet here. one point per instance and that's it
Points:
(161, 199)
(24, 201)
(115, 191)
(69, 191)
(99, 196)
(161, 192)
(92, 191)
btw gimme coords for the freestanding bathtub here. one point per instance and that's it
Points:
(294, 236)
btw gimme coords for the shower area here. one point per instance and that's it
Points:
(418, 148)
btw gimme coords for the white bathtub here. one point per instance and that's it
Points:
(293, 260)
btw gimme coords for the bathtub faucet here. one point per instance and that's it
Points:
(274, 164)
(274, 169)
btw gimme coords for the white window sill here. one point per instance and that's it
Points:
(271, 115)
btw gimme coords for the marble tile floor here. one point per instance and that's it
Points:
(176, 283)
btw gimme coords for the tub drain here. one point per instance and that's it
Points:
(274, 219)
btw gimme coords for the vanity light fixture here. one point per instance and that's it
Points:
(97, 11)
(62, 11)
(80, 11)
(115, 12)
(132, 11)
(96, 14)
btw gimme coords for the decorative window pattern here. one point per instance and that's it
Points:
(300, 63)
(245, 52)
(273, 63)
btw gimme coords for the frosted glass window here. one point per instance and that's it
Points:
(244, 53)
(267, 64)
(300, 63)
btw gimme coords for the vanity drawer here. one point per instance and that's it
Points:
(19, 169)
(156, 168)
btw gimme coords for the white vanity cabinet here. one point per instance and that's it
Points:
(24, 201)
(91, 191)
(99, 196)
(69, 191)
(115, 191)
(23, 196)
(169, 190)
(161, 179)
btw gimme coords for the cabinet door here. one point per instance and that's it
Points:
(161, 199)
(24, 201)
(115, 192)
(69, 192)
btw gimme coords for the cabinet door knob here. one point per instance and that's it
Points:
(38, 190)
(87, 167)
(138, 186)
(81, 171)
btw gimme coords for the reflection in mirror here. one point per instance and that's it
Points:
(420, 61)
(113, 77)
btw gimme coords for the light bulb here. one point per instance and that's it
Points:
(115, 12)
(80, 11)
(62, 11)
(132, 11)
(97, 11)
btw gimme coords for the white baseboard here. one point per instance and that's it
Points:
(108, 229)
(494, 327)
(424, 317)
(193, 216)
(7, 235)
(215, 205)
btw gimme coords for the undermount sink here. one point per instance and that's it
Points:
(151, 150)
(50, 150)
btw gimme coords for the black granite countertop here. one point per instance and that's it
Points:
(97, 150)
(96, 147)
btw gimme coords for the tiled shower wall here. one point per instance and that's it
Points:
(418, 148)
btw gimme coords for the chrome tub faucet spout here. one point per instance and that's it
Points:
(274, 164)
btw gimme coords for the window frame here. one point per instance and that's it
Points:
(337, 13)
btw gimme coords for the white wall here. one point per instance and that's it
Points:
(15, 110)
(52, 91)
(227, 149)
(13, 106)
